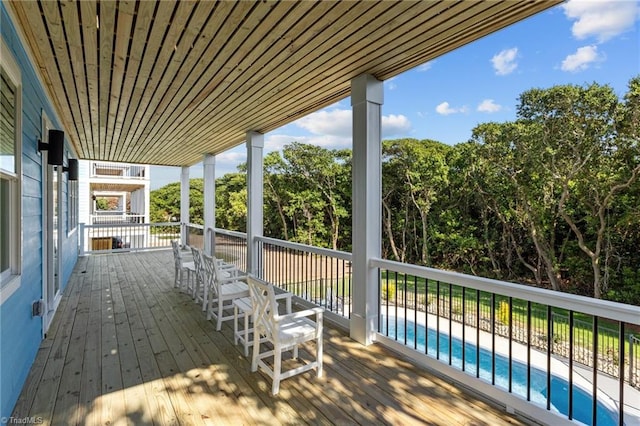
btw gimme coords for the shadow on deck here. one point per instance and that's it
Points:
(126, 347)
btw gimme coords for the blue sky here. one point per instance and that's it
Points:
(577, 42)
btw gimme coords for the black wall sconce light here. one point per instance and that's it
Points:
(55, 147)
(72, 169)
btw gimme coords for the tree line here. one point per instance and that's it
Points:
(550, 199)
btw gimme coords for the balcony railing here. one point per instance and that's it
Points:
(546, 354)
(111, 217)
(538, 345)
(127, 237)
(118, 170)
(317, 275)
(531, 348)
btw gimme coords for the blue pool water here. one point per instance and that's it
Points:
(582, 399)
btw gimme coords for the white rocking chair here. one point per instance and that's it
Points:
(284, 332)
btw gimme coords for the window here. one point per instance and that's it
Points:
(10, 173)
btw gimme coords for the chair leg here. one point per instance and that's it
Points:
(205, 294)
(219, 319)
(235, 325)
(246, 334)
(256, 351)
(277, 366)
(319, 355)
(209, 307)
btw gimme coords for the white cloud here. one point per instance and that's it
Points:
(232, 157)
(395, 125)
(332, 129)
(445, 109)
(424, 67)
(581, 59)
(601, 19)
(505, 62)
(390, 83)
(335, 122)
(488, 105)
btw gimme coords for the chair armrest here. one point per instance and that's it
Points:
(232, 278)
(318, 311)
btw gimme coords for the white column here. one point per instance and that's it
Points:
(209, 201)
(147, 203)
(255, 145)
(366, 103)
(184, 203)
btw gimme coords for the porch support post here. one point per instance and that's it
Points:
(209, 201)
(255, 145)
(366, 103)
(184, 205)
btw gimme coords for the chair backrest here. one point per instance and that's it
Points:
(209, 273)
(265, 306)
(197, 262)
(177, 257)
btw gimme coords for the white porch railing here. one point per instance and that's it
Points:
(127, 237)
(532, 349)
(119, 170)
(115, 217)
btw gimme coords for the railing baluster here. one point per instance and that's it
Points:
(450, 323)
(464, 327)
(438, 320)
(510, 344)
(570, 390)
(528, 350)
(478, 333)
(621, 373)
(415, 312)
(549, 351)
(493, 338)
(594, 407)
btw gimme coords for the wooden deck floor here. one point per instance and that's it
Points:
(126, 347)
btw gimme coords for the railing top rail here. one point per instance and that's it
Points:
(231, 233)
(195, 225)
(304, 247)
(130, 225)
(602, 308)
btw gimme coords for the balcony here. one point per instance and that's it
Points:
(119, 170)
(519, 345)
(126, 346)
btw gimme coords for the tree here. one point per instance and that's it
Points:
(586, 153)
(165, 202)
(422, 172)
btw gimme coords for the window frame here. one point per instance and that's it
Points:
(12, 280)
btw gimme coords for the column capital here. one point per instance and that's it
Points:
(366, 88)
(255, 140)
(209, 159)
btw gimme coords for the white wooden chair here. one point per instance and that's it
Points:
(243, 308)
(223, 286)
(182, 266)
(199, 287)
(284, 332)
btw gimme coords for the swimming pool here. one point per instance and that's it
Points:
(582, 399)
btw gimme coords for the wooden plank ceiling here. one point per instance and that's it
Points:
(163, 82)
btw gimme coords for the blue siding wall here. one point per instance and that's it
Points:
(20, 333)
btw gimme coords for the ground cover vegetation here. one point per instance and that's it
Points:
(550, 199)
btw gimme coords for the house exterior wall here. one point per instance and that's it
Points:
(20, 332)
